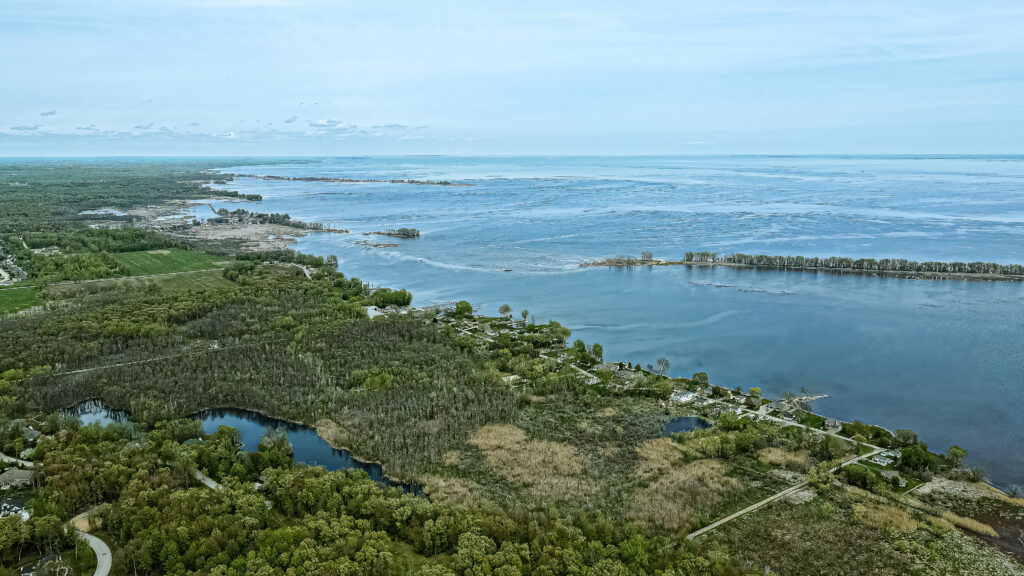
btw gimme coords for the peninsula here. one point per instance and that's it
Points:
(895, 267)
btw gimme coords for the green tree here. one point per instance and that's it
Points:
(906, 438)
(463, 309)
(597, 351)
(663, 365)
(821, 476)
(525, 314)
(505, 310)
(956, 455)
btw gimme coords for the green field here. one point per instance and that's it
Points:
(14, 299)
(170, 260)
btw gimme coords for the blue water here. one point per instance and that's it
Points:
(685, 424)
(945, 358)
(307, 446)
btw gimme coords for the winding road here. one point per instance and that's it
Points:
(99, 547)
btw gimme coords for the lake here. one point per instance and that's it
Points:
(307, 446)
(944, 358)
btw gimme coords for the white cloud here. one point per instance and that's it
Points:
(145, 126)
(48, 113)
(328, 123)
(24, 128)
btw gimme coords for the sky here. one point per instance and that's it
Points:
(309, 77)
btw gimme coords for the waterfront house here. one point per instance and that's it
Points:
(890, 474)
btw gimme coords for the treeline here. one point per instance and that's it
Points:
(50, 195)
(328, 262)
(860, 264)
(226, 216)
(400, 233)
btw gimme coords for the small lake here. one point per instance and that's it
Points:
(685, 424)
(94, 412)
(307, 446)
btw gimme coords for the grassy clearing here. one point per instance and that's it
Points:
(551, 470)
(969, 524)
(798, 460)
(14, 299)
(885, 517)
(679, 496)
(169, 260)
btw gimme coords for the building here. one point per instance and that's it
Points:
(683, 396)
(890, 474)
(16, 477)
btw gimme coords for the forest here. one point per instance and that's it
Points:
(536, 456)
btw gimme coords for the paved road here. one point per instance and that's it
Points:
(99, 547)
(209, 482)
(18, 461)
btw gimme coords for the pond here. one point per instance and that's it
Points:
(307, 446)
(685, 424)
(94, 412)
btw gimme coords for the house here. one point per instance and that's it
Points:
(31, 434)
(683, 396)
(16, 477)
(890, 474)
(13, 507)
(833, 424)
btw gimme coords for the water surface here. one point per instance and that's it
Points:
(945, 358)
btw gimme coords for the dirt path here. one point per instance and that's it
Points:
(163, 275)
(773, 498)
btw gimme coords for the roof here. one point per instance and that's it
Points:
(16, 475)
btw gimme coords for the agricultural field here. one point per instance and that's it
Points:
(166, 261)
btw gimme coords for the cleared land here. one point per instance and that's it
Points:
(14, 299)
(169, 260)
(175, 282)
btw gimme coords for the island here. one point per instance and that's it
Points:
(894, 267)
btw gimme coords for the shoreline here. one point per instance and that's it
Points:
(902, 274)
(241, 228)
(348, 180)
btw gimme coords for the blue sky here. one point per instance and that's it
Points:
(237, 77)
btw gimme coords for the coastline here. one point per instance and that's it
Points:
(347, 180)
(239, 230)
